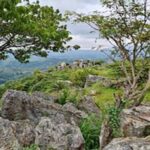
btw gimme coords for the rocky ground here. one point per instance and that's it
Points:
(37, 119)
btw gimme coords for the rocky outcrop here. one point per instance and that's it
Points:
(15, 135)
(136, 121)
(44, 96)
(134, 127)
(33, 108)
(91, 79)
(8, 140)
(129, 144)
(78, 64)
(59, 136)
(105, 135)
(36, 119)
(88, 105)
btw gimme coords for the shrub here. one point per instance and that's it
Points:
(63, 97)
(114, 121)
(31, 147)
(90, 128)
(78, 77)
(67, 95)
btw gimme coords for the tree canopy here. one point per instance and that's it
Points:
(126, 25)
(30, 29)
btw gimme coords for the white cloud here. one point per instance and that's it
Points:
(80, 32)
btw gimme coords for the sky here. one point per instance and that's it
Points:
(80, 32)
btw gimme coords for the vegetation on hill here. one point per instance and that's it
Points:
(69, 83)
(68, 86)
(126, 27)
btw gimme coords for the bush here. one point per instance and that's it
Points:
(114, 121)
(67, 95)
(78, 77)
(31, 147)
(90, 128)
(63, 97)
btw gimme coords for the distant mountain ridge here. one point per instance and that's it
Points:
(11, 69)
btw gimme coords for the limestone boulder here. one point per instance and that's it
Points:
(89, 106)
(59, 136)
(8, 140)
(129, 144)
(16, 135)
(136, 121)
(18, 105)
(45, 96)
(91, 79)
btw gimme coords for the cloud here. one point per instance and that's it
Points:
(71, 5)
(80, 32)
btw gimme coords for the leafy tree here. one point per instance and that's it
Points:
(126, 25)
(30, 29)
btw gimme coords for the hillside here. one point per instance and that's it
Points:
(11, 69)
(56, 82)
(72, 83)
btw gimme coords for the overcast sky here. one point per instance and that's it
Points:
(80, 32)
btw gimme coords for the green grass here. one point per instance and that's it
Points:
(49, 82)
(103, 96)
(90, 128)
(147, 97)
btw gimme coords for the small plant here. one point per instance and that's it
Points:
(59, 85)
(31, 147)
(63, 97)
(79, 77)
(68, 95)
(114, 121)
(90, 128)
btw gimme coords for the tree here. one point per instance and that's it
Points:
(30, 29)
(126, 25)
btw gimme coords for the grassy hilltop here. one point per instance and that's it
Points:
(70, 83)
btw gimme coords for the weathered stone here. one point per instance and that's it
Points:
(14, 135)
(33, 108)
(59, 136)
(136, 121)
(88, 105)
(31, 118)
(132, 143)
(91, 79)
(8, 140)
(105, 135)
(24, 132)
(26, 106)
(45, 96)
(74, 115)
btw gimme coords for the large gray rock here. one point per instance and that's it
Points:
(88, 105)
(45, 96)
(91, 79)
(129, 144)
(15, 135)
(8, 140)
(32, 120)
(136, 121)
(18, 105)
(105, 135)
(59, 136)
(24, 132)
(70, 109)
